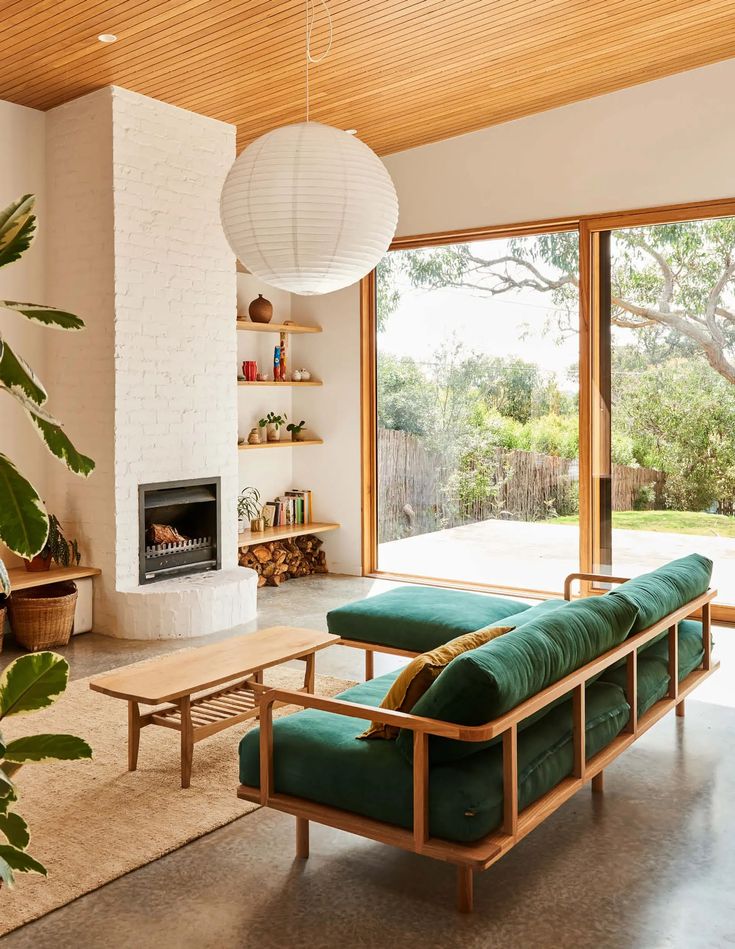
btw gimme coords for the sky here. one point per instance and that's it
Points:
(513, 324)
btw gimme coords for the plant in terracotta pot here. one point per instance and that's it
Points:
(57, 548)
(250, 509)
(273, 425)
(297, 431)
(24, 523)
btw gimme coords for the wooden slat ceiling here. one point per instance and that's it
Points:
(402, 72)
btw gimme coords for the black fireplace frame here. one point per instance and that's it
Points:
(187, 569)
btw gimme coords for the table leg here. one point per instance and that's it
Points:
(310, 673)
(187, 741)
(133, 735)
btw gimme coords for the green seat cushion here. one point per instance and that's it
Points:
(666, 589)
(317, 757)
(653, 665)
(417, 618)
(482, 684)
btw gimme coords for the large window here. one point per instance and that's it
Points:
(477, 411)
(521, 429)
(670, 292)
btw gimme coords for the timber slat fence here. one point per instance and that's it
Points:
(417, 494)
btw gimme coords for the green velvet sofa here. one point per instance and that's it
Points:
(505, 734)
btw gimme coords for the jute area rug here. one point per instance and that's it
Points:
(93, 821)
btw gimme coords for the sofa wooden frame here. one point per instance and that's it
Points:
(516, 823)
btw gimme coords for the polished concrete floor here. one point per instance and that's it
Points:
(650, 863)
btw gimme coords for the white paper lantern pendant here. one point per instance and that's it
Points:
(309, 208)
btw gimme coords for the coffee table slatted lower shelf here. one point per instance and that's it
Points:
(211, 713)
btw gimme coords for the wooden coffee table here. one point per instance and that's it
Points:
(190, 685)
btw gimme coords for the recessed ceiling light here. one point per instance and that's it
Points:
(107, 38)
(351, 131)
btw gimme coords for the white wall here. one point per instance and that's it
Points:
(81, 366)
(332, 470)
(662, 142)
(22, 171)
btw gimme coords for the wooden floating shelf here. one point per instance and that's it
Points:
(247, 538)
(248, 326)
(286, 443)
(295, 385)
(22, 579)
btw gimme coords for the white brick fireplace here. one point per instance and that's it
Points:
(135, 247)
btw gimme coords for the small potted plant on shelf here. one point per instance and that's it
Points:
(272, 424)
(297, 431)
(250, 510)
(57, 548)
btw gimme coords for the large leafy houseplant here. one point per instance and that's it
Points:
(29, 683)
(24, 523)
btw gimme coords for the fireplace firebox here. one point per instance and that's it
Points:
(180, 528)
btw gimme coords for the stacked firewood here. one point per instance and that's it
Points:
(282, 560)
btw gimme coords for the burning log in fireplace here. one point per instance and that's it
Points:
(282, 560)
(164, 534)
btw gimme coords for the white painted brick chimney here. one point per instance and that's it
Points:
(135, 247)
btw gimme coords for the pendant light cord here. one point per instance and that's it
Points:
(310, 18)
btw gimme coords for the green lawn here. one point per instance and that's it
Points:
(670, 522)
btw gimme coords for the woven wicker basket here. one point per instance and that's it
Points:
(2, 625)
(43, 616)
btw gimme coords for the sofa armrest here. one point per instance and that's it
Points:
(601, 577)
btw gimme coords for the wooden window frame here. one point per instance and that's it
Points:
(591, 410)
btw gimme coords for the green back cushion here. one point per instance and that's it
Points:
(666, 589)
(480, 685)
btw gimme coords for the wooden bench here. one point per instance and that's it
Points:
(22, 579)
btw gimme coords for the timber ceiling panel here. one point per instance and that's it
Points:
(402, 72)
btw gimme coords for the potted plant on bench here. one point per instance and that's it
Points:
(57, 548)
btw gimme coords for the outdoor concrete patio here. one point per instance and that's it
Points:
(539, 555)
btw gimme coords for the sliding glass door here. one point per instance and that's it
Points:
(665, 390)
(477, 392)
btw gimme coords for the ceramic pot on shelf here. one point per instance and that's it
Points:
(274, 432)
(38, 563)
(257, 525)
(261, 310)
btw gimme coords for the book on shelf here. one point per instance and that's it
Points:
(293, 509)
(269, 513)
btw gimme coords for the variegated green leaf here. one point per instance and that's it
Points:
(54, 437)
(59, 444)
(20, 860)
(17, 375)
(31, 682)
(15, 829)
(34, 748)
(48, 315)
(17, 226)
(6, 874)
(23, 518)
(4, 585)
